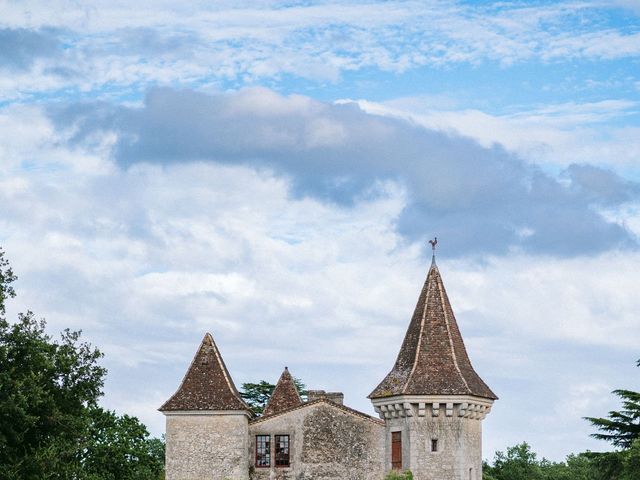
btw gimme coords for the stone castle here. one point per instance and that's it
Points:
(431, 406)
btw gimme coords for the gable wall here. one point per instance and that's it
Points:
(326, 443)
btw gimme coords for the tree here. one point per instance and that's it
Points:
(519, 463)
(46, 387)
(576, 467)
(622, 430)
(6, 279)
(51, 426)
(119, 448)
(257, 395)
(623, 426)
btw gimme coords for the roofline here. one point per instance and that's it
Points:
(466, 398)
(169, 413)
(344, 408)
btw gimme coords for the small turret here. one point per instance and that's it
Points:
(284, 396)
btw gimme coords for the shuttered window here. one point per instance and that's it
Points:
(396, 450)
(263, 451)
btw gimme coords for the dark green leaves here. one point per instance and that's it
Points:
(6, 278)
(51, 426)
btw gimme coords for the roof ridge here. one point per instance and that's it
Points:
(422, 321)
(440, 286)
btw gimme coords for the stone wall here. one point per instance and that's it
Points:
(327, 442)
(211, 446)
(459, 449)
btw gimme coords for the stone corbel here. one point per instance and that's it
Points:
(449, 409)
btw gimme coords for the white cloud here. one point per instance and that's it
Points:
(125, 47)
(147, 259)
(552, 134)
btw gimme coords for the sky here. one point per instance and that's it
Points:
(270, 172)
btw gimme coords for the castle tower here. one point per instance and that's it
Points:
(432, 401)
(207, 422)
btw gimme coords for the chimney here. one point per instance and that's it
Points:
(335, 397)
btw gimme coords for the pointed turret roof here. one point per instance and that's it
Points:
(207, 384)
(284, 396)
(433, 359)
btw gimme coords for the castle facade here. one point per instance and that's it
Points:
(430, 407)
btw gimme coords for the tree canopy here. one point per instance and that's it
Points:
(622, 427)
(51, 426)
(6, 279)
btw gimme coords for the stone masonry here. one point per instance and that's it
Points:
(431, 406)
(328, 442)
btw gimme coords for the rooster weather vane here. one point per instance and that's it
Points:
(433, 243)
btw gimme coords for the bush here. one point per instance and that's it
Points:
(394, 475)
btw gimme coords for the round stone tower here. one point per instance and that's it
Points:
(432, 401)
(207, 422)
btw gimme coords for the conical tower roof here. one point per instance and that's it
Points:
(284, 396)
(207, 384)
(433, 359)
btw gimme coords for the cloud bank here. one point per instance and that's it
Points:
(479, 199)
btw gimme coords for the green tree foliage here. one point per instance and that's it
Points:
(622, 427)
(394, 475)
(119, 448)
(622, 430)
(46, 388)
(257, 395)
(521, 463)
(576, 467)
(6, 279)
(518, 463)
(51, 426)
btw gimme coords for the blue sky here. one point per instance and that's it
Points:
(270, 172)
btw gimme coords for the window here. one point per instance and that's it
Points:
(263, 451)
(434, 444)
(471, 474)
(396, 450)
(282, 450)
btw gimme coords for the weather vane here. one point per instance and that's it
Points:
(433, 243)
